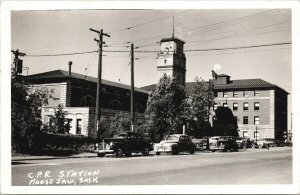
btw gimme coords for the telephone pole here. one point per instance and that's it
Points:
(132, 88)
(98, 112)
(18, 62)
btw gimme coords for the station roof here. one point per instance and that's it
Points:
(232, 85)
(62, 74)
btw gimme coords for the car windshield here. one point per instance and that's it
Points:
(172, 137)
(223, 138)
(122, 135)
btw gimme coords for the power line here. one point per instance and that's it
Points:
(235, 52)
(235, 36)
(141, 24)
(155, 51)
(227, 23)
(241, 47)
(62, 54)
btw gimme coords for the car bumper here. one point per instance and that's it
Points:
(105, 151)
(163, 150)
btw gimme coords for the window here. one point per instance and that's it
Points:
(245, 93)
(78, 126)
(245, 133)
(235, 106)
(246, 105)
(216, 94)
(256, 120)
(116, 105)
(215, 106)
(245, 120)
(225, 94)
(225, 105)
(256, 93)
(256, 135)
(235, 94)
(87, 101)
(256, 105)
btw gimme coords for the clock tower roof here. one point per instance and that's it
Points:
(172, 39)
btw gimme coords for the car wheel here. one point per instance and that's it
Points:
(146, 152)
(192, 151)
(212, 150)
(260, 145)
(157, 153)
(128, 154)
(119, 152)
(100, 154)
(175, 151)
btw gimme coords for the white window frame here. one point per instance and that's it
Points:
(233, 106)
(235, 94)
(244, 106)
(244, 120)
(225, 94)
(256, 106)
(256, 120)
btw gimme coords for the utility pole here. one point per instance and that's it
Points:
(98, 112)
(256, 134)
(132, 88)
(17, 62)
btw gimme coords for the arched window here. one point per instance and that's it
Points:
(87, 101)
(115, 105)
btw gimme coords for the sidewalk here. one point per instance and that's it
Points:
(81, 155)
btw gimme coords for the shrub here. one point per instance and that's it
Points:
(62, 144)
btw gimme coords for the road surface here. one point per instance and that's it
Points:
(260, 166)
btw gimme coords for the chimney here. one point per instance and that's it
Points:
(70, 64)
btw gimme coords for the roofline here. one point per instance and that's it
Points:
(67, 78)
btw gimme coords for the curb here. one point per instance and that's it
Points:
(50, 158)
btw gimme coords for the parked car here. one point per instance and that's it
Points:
(214, 139)
(125, 143)
(174, 144)
(264, 142)
(224, 143)
(199, 143)
(279, 143)
(241, 142)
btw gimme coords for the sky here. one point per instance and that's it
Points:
(67, 31)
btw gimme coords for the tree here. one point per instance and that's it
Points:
(119, 123)
(58, 122)
(198, 107)
(165, 107)
(26, 102)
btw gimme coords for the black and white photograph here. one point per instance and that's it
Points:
(149, 97)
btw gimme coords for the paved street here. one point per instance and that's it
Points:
(250, 166)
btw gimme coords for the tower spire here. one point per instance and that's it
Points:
(173, 29)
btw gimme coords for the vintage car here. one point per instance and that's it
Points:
(241, 141)
(265, 142)
(224, 143)
(245, 142)
(174, 144)
(199, 143)
(214, 139)
(124, 143)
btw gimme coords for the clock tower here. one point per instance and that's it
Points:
(171, 59)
